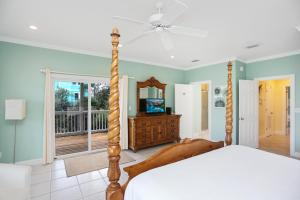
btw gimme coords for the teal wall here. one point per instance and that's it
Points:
(278, 67)
(20, 77)
(217, 74)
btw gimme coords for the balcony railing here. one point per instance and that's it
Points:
(76, 122)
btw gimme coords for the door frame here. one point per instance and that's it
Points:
(209, 82)
(82, 79)
(291, 77)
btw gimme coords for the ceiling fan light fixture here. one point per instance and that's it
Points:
(172, 57)
(159, 29)
(155, 18)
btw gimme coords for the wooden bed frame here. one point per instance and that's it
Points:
(173, 153)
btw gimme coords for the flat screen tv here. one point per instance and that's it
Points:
(155, 105)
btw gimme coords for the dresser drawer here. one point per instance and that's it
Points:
(142, 123)
(153, 130)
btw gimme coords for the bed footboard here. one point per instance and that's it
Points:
(173, 153)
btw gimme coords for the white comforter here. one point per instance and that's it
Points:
(230, 173)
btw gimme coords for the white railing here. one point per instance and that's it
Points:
(76, 122)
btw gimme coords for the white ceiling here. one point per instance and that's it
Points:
(85, 26)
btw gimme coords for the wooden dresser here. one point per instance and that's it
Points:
(146, 131)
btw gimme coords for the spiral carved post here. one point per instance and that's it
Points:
(229, 114)
(114, 191)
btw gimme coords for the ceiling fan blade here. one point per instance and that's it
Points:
(129, 20)
(194, 32)
(173, 11)
(166, 40)
(141, 35)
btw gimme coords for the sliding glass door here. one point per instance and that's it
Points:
(81, 111)
(99, 115)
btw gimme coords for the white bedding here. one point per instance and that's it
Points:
(230, 173)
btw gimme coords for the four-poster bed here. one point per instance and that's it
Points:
(209, 172)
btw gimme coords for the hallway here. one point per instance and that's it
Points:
(279, 144)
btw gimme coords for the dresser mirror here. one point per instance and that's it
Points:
(153, 90)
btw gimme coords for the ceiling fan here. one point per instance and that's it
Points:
(161, 23)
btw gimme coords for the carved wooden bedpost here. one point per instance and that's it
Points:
(114, 191)
(229, 119)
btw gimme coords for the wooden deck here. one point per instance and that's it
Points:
(79, 143)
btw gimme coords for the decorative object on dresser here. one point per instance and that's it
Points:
(169, 110)
(146, 131)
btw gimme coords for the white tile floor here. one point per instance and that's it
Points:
(50, 182)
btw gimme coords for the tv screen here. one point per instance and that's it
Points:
(155, 105)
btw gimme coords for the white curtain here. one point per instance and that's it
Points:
(48, 151)
(123, 87)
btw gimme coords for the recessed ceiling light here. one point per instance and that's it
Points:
(33, 27)
(120, 45)
(298, 28)
(172, 57)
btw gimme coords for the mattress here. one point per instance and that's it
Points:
(230, 173)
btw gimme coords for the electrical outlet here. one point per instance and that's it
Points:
(129, 108)
(0, 155)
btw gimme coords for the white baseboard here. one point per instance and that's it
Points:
(38, 161)
(297, 154)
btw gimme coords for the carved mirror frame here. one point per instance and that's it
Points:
(151, 82)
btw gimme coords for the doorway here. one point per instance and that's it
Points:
(204, 111)
(81, 114)
(193, 102)
(274, 116)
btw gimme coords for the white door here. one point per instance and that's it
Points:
(184, 107)
(248, 113)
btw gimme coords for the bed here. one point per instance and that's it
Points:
(198, 169)
(232, 172)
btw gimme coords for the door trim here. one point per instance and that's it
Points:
(291, 77)
(209, 82)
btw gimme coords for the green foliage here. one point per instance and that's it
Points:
(61, 99)
(99, 100)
